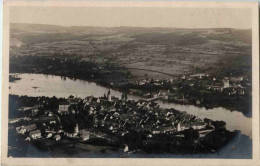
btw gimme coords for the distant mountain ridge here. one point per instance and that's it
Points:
(58, 28)
(19, 31)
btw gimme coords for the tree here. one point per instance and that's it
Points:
(152, 81)
(191, 134)
(128, 74)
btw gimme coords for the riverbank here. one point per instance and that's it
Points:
(233, 103)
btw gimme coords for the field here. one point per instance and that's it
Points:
(160, 53)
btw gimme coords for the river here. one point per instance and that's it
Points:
(49, 85)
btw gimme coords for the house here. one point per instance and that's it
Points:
(149, 136)
(48, 113)
(35, 134)
(52, 122)
(49, 135)
(63, 107)
(198, 75)
(88, 99)
(180, 126)
(84, 135)
(208, 122)
(116, 115)
(30, 127)
(226, 83)
(241, 92)
(35, 109)
(215, 87)
(126, 148)
(24, 129)
(21, 130)
(236, 79)
(86, 104)
(46, 119)
(91, 110)
(156, 131)
(73, 111)
(198, 125)
(57, 137)
(169, 129)
(159, 130)
(25, 109)
(169, 113)
(142, 82)
(15, 120)
(111, 128)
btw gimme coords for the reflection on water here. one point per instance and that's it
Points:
(49, 85)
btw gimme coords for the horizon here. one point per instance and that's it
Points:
(128, 26)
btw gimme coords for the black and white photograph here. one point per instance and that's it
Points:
(130, 82)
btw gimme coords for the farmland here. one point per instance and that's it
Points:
(160, 53)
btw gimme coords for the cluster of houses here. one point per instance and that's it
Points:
(230, 86)
(169, 88)
(120, 116)
(32, 132)
(47, 119)
(219, 83)
(82, 134)
(113, 115)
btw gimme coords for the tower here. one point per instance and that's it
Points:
(76, 130)
(108, 95)
(123, 96)
(179, 127)
(126, 96)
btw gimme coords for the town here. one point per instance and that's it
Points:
(200, 90)
(126, 124)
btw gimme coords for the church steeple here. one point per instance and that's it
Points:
(108, 95)
(124, 96)
(76, 130)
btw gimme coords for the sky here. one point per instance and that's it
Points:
(134, 16)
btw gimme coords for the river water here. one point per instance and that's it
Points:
(48, 85)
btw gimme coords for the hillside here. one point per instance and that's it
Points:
(142, 50)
